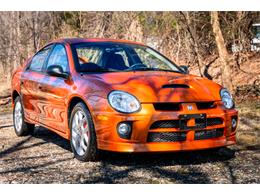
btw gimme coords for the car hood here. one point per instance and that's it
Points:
(159, 86)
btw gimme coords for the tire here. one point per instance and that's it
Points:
(83, 139)
(21, 127)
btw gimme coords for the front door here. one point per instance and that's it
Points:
(54, 92)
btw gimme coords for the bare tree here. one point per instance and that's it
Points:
(222, 51)
(192, 38)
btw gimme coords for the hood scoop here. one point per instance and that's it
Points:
(176, 86)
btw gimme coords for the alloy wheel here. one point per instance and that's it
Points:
(80, 132)
(18, 117)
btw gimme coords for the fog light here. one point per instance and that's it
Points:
(124, 130)
(234, 123)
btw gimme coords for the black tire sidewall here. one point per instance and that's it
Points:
(91, 153)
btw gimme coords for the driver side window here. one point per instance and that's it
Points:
(59, 57)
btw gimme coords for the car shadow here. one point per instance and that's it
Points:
(169, 158)
(126, 167)
(139, 159)
(49, 136)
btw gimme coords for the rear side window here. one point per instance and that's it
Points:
(59, 57)
(39, 60)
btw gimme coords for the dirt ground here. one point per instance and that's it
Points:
(45, 157)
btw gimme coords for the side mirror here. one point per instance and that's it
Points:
(55, 70)
(185, 69)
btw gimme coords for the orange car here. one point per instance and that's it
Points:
(121, 96)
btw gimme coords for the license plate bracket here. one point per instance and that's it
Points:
(200, 121)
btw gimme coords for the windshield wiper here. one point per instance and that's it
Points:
(154, 69)
(102, 70)
(86, 70)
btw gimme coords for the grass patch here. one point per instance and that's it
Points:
(249, 122)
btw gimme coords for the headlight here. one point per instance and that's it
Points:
(123, 102)
(226, 98)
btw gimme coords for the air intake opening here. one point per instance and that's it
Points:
(166, 106)
(175, 86)
(165, 124)
(205, 105)
(166, 137)
(208, 134)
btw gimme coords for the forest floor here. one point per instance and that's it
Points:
(44, 157)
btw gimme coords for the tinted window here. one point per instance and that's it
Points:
(151, 58)
(38, 60)
(59, 57)
(119, 57)
(89, 54)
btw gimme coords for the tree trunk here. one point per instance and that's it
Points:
(222, 51)
(179, 44)
(10, 54)
(193, 34)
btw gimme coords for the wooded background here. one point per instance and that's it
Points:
(201, 40)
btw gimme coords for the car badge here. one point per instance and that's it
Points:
(189, 107)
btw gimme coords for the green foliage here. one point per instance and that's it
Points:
(72, 19)
(157, 22)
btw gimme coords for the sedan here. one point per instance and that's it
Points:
(121, 96)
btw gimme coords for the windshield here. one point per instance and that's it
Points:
(119, 57)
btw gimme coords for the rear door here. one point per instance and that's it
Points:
(30, 84)
(54, 92)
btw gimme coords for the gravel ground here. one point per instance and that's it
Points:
(47, 158)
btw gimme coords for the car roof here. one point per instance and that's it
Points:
(92, 40)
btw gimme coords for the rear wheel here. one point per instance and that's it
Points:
(21, 127)
(83, 137)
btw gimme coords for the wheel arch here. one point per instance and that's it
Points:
(73, 102)
(15, 94)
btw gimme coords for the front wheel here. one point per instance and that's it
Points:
(82, 134)
(21, 127)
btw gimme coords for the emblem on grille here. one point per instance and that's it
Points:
(189, 107)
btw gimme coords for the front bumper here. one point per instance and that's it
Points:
(167, 147)
(108, 139)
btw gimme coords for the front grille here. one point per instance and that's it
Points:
(205, 105)
(214, 121)
(166, 106)
(165, 124)
(176, 123)
(166, 137)
(208, 134)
